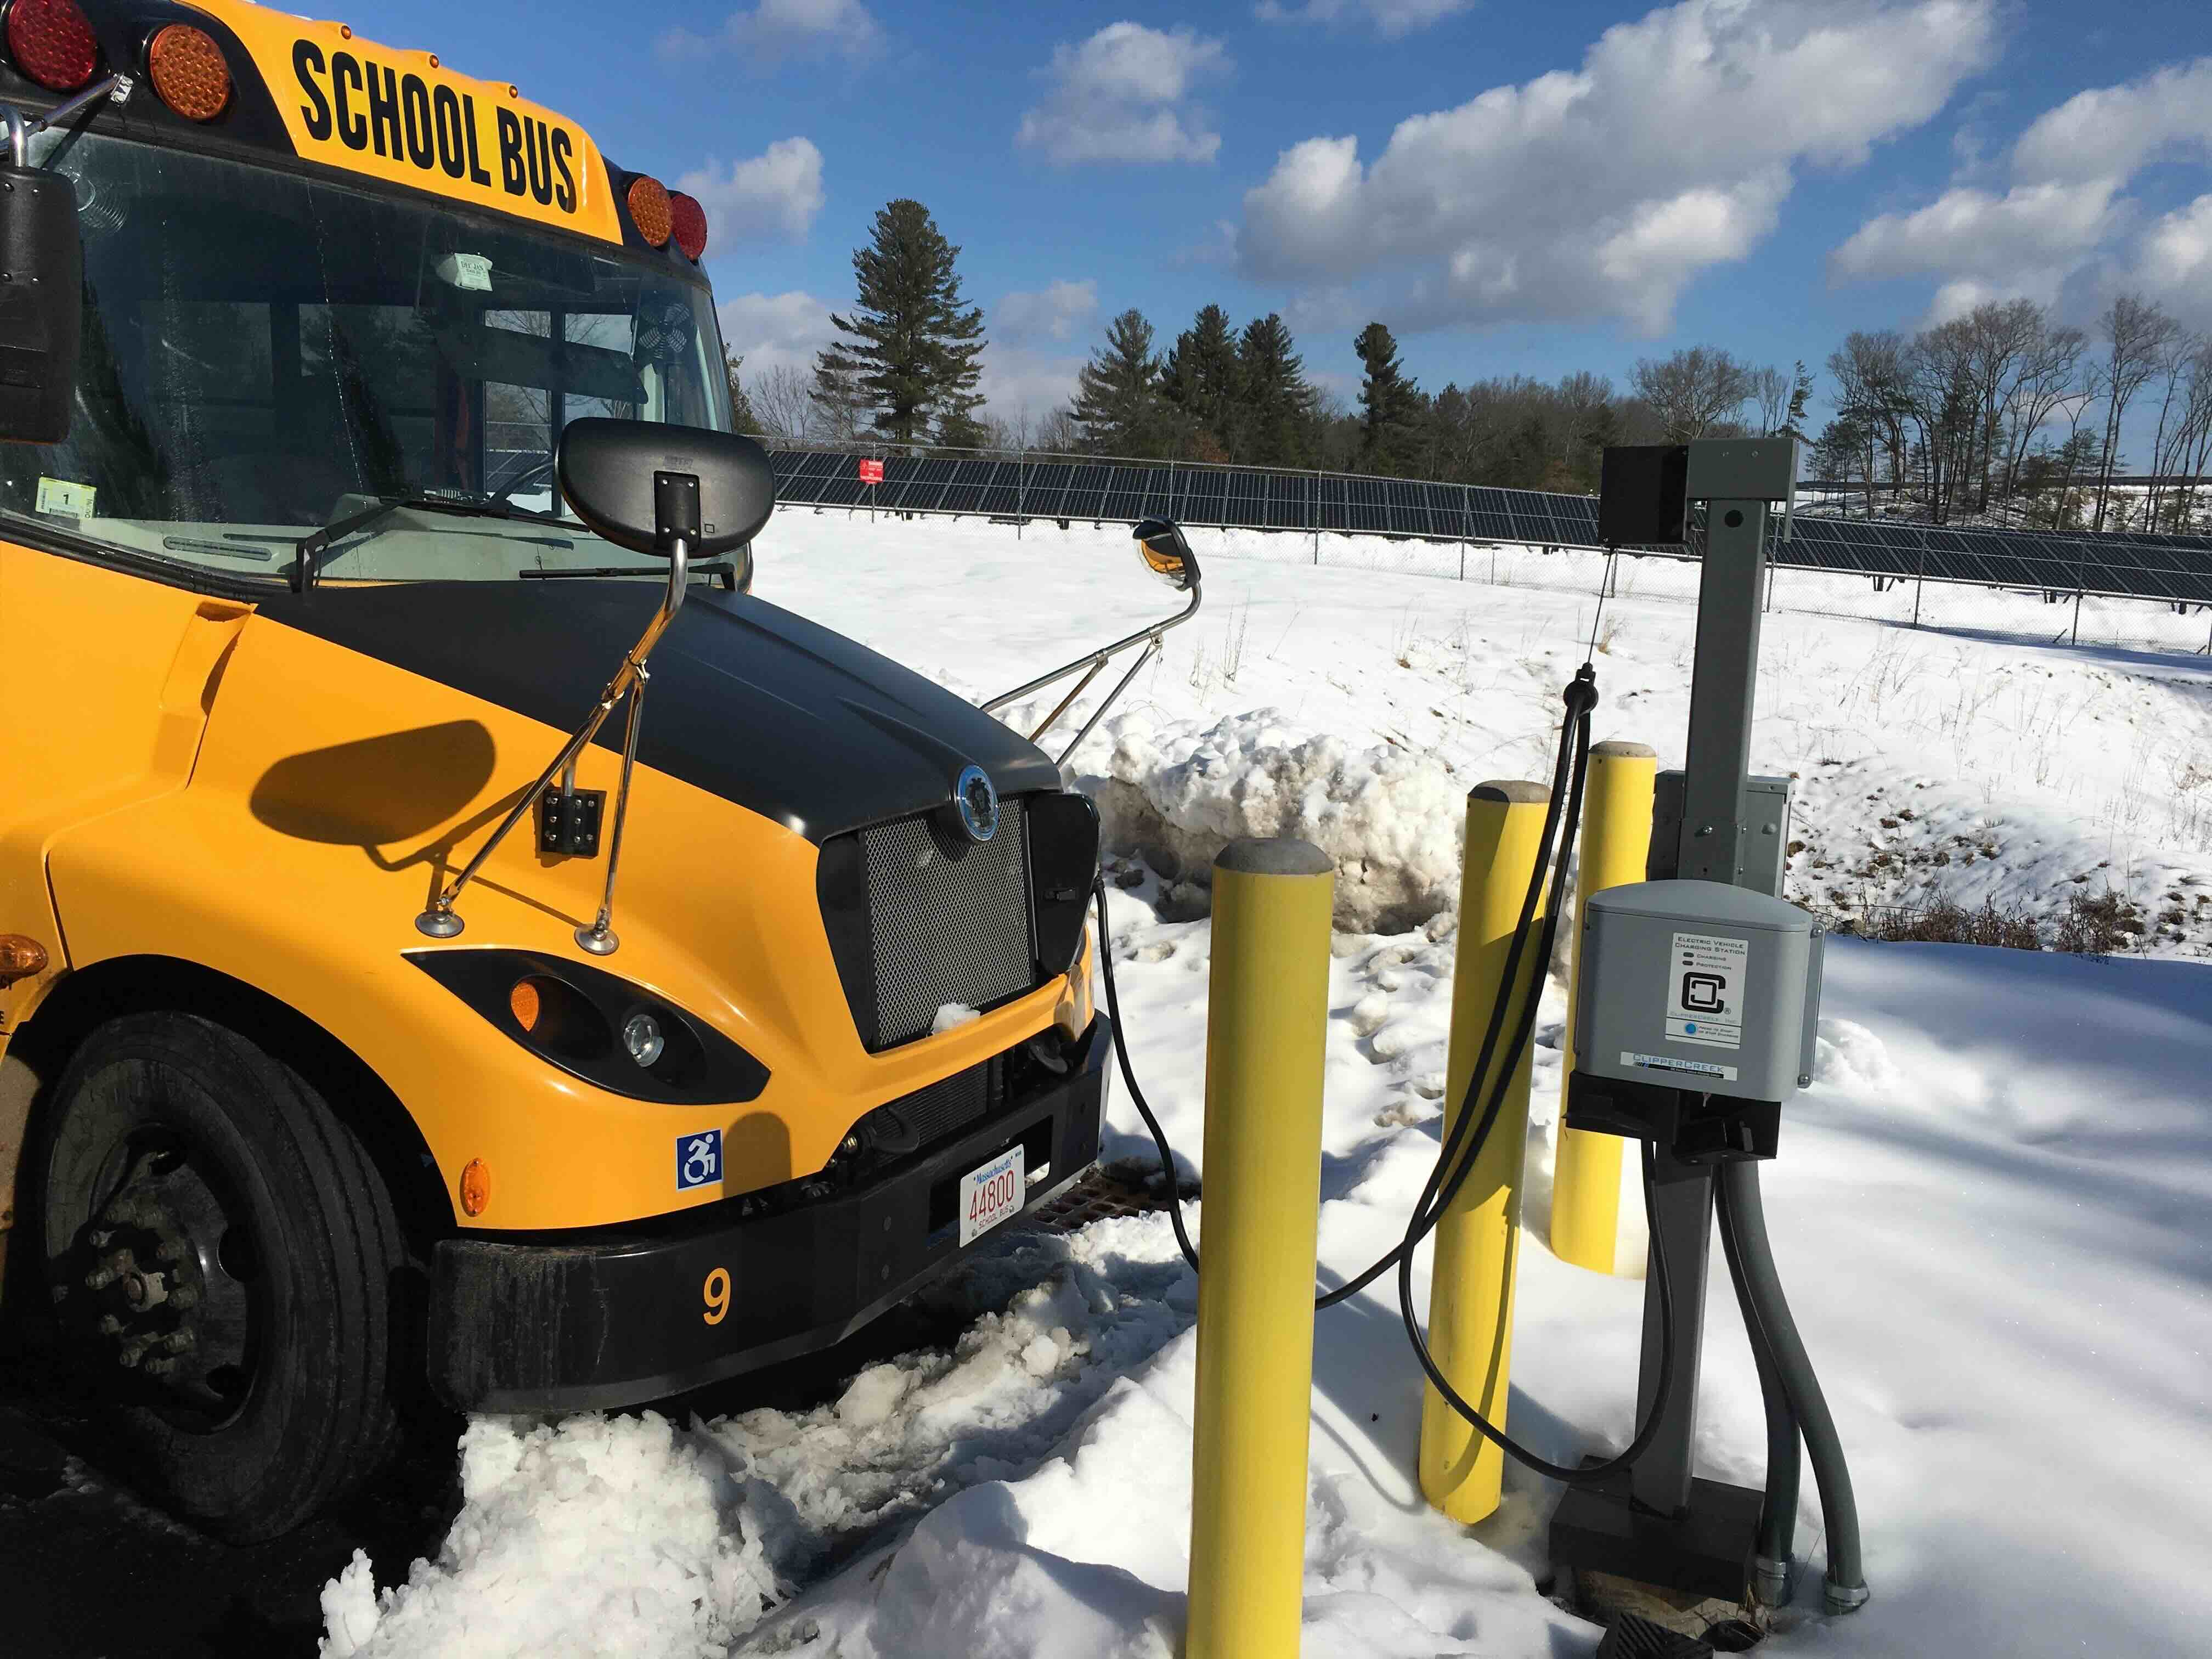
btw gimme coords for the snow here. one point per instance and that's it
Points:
(952, 1016)
(1990, 1206)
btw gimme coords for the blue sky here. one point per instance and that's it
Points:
(1575, 185)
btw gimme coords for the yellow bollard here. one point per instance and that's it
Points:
(1471, 1291)
(1266, 1030)
(1616, 842)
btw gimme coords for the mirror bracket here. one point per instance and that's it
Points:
(1150, 638)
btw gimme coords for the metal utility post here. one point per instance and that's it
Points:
(1736, 478)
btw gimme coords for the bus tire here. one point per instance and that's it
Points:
(220, 1253)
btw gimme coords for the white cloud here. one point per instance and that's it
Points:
(2066, 222)
(764, 35)
(1053, 312)
(1391, 18)
(772, 330)
(1601, 192)
(2038, 227)
(1122, 95)
(2175, 260)
(2113, 131)
(776, 193)
(1020, 381)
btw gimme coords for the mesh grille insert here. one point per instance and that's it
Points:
(949, 920)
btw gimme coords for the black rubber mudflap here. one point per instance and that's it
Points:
(1634, 1637)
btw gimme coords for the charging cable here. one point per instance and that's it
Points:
(1470, 1131)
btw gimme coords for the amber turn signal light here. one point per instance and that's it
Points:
(20, 957)
(524, 1003)
(650, 211)
(476, 1187)
(187, 68)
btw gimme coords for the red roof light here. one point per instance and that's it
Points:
(691, 221)
(51, 41)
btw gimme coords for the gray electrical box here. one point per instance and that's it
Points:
(1762, 846)
(1700, 985)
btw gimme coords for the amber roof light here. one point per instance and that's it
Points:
(187, 68)
(51, 42)
(649, 209)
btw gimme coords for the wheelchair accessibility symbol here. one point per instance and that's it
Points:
(698, 1159)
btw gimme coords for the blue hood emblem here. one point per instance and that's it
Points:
(977, 802)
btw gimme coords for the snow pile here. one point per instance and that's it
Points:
(1177, 795)
(609, 1534)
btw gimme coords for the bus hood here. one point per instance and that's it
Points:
(749, 702)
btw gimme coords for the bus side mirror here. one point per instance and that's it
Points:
(634, 482)
(1166, 554)
(41, 303)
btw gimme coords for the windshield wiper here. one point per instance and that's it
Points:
(310, 549)
(721, 568)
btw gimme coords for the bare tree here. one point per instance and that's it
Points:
(2194, 449)
(1769, 398)
(1693, 391)
(839, 402)
(2138, 333)
(1870, 381)
(2048, 377)
(783, 400)
(2168, 443)
(1058, 433)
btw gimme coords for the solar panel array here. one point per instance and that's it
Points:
(2131, 564)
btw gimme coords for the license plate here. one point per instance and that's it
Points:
(990, 1195)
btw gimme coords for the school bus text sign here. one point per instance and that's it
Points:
(401, 117)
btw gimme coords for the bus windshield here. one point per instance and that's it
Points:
(265, 354)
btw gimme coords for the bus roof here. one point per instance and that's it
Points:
(317, 92)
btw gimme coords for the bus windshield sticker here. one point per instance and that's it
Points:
(60, 495)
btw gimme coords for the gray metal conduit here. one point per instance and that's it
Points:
(1778, 1517)
(1743, 1223)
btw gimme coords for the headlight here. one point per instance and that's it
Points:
(613, 1034)
(641, 1037)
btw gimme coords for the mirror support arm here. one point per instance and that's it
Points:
(118, 87)
(439, 921)
(1094, 660)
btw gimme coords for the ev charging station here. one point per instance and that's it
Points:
(1698, 994)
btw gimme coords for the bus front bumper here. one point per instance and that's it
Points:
(612, 1318)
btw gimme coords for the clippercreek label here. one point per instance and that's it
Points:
(1704, 990)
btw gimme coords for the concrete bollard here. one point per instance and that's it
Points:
(1616, 842)
(1266, 1031)
(1471, 1292)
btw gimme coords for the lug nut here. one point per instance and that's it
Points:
(169, 1251)
(110, 1325)
(160, 1367)
(184, 1297)
(179, 1341)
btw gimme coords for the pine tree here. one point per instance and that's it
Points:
(743, 417)
(910, 343)
(1390, 406)
(1276, 406)
(1199, 381)
(1800, 394)
(1116, 396)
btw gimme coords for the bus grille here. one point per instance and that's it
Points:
(939, 919)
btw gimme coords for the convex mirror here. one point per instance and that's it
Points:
(1167, 554)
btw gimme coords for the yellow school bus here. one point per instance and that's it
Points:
(353, 402)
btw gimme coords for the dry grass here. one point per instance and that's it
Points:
(2100, 925)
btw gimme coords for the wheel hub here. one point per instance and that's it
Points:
(145, 1288)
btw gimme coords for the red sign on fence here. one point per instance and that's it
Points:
(871, 471)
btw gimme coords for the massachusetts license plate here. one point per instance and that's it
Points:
(990, 1195)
